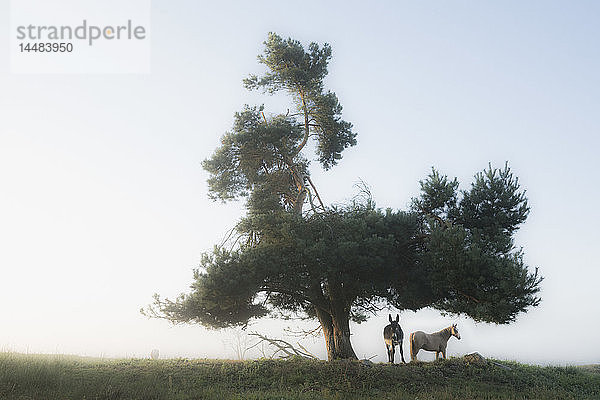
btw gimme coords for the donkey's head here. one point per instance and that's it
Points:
(396, 330)
(454, 331)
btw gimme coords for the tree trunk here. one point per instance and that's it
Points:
(336, 330)
(300, 200)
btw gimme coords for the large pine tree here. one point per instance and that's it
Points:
(452, 250)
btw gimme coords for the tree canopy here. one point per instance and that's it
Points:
(469, 253)
(452, 250)
(262, 156)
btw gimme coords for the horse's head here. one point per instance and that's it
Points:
(398, 335)
(454, 331)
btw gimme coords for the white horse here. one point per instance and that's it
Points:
(432, 341)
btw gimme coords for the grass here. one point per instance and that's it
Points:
(28, 377)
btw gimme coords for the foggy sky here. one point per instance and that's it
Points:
(103, 201)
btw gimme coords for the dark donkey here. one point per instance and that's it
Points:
(393, 336)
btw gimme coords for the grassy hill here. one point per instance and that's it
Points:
(68, 377)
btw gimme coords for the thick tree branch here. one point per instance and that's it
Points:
(306, 125)
(296, 295)
(316, 192)
(468, 296)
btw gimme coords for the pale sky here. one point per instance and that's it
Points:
(103, 200)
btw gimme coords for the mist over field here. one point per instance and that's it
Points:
(103, 199)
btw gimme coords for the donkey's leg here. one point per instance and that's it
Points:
(437, 355)
(401, 352)
(390, 353)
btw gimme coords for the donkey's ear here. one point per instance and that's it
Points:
(397, 318)
(390, 317)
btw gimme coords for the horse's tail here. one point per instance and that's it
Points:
(411, 346)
